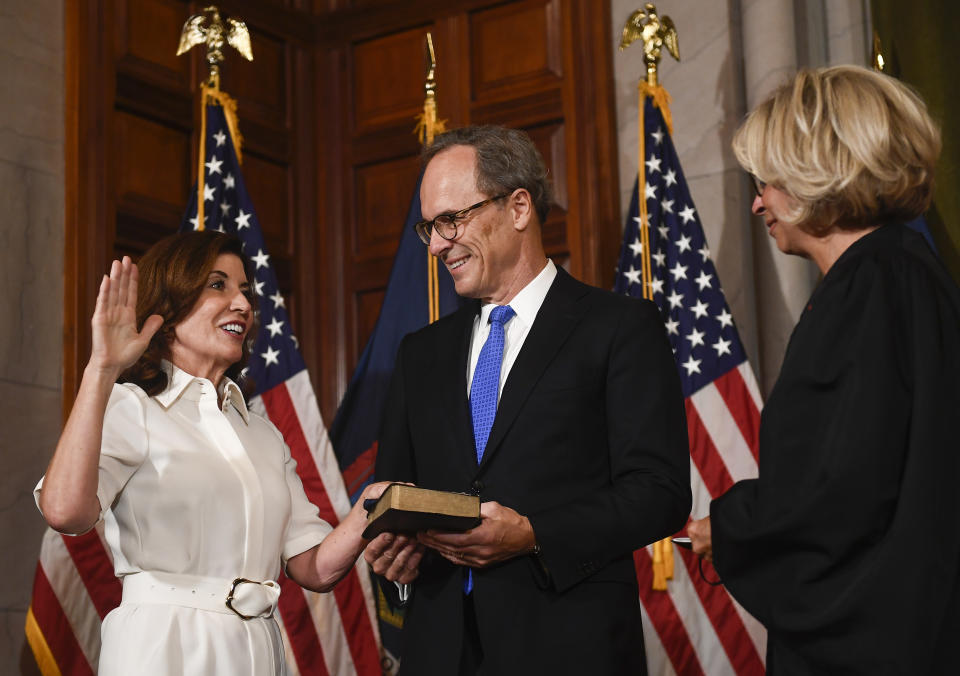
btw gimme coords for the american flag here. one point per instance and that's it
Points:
(693, 627)
(333, 633)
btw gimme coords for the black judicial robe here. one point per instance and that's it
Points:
(847, 546)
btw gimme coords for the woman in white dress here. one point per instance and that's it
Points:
(200, 499)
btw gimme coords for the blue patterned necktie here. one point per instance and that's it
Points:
(486, 379)
(484, 390)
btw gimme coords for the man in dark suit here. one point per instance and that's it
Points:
(563, 412)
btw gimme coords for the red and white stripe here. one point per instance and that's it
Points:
(695, 628)
(336, 633)
(342, 636)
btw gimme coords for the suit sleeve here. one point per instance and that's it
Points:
(395, 458)
(648, 495)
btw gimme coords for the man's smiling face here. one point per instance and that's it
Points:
(484, 253)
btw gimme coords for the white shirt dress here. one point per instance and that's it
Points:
(193, 496)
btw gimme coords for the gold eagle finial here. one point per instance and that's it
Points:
(233, 31)
(656, 31)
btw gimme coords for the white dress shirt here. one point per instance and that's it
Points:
(526, 304)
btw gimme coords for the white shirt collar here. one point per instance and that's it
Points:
(178, 380)
(527, 303)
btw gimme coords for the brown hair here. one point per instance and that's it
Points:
(506, 160)
(173, 274)
(852, 147)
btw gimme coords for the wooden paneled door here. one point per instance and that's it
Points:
(327, 111)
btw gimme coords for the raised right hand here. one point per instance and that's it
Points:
(116, 342)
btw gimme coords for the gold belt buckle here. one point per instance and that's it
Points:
(236, 583)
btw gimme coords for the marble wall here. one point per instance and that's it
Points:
(31, 290)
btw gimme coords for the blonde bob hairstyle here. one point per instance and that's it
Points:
(852, 147)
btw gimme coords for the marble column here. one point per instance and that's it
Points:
(31, 291)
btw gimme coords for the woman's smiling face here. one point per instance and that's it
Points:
(210, 338)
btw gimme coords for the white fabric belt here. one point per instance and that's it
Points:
(245, 598)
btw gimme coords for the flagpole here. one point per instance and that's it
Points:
(655, 32)
(428, 126)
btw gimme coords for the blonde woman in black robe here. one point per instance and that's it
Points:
(847, 545)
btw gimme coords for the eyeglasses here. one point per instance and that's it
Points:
(758, 185)
(446, 225)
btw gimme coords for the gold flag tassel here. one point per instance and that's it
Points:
(428, 126)
(656, 32)
(211, 94)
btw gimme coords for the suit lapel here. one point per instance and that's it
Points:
(557, 317)
(452, 392)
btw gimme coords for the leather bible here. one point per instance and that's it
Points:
(409, 509)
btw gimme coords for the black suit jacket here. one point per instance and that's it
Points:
(589, 442)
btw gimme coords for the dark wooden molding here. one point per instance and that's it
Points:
(591, 132)
(87, 98)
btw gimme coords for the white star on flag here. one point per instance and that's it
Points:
(213, 166)
(672, 325)
(261, 259)
(666, 205)
(195, 222)
(270, 356)
(679, 272)
(660, 258)
(670, 177)
(207, 194)
(275, 327)
(633, 275)
(695, 338)
(683, 244)
(636, 247)
(656, 285)
(229, 181)
(220, 138)
(703, 281)
(243, 220)
(225, 208)
(675, 299)
(258, 287)
(687, 214)
(692, 365)
(658, 135)
(653, 164)
(650, 191)
(704, 253)
(722, 347)
(700, 309)
(725, 318)
(277, 300)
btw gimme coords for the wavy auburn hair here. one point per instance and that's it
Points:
(173, 274)
(851, 146)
